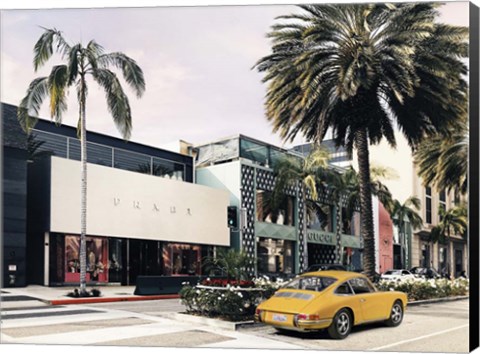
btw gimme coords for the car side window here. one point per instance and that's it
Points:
(344, 289)
(361, 286)
(405, 272)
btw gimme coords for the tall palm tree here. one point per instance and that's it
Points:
(454, 221)
(443, 159)
(359, 70)
(401, 213)
(81, 62)
(290, 171)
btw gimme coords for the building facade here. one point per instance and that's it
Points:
(285, 240)
(415, 248)
(144, 214)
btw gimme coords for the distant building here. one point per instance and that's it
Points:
(415, 249)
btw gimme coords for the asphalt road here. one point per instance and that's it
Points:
(438, 327)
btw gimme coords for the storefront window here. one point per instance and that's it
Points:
(267, 212)
(181, 259)
(115, 260)
(321, 218)
(275, 256)
(97, 259)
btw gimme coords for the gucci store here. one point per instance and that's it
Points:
(137, 224)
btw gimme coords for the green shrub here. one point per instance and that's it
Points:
(230, 302)
(423, 289)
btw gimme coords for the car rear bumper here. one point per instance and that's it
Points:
(299, 325)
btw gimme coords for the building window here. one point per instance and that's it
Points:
(274, 256)
(281, 214)
(442, 203)
(182, 259)
(97, 259)
(320, 218)
(428, 205)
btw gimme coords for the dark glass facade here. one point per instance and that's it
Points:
(101, 154)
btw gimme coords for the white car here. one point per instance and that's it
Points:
(397, 275)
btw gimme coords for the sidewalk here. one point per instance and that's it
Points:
(58, 295)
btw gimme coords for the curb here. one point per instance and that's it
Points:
(431, 301)
(92, 300)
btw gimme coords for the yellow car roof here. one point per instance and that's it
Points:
(338, 274)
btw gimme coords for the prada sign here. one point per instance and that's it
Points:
(134, 205)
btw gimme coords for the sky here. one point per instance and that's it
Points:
(197, 62)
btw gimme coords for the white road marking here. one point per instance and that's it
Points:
(418, 338)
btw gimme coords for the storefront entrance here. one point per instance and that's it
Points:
(144, 258)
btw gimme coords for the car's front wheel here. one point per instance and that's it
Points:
(396, 315)
(341, 325)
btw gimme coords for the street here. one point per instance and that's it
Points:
(437, 327)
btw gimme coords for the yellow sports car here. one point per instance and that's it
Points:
(333, 300)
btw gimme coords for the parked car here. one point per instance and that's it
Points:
(318, 267)
(332, 300)
(376, 276)
(428, 273)
(397, 274)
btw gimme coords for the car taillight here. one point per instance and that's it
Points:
(258, 314)
(302, 316)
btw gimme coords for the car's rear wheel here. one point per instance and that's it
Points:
(396, 314)
(341, 325)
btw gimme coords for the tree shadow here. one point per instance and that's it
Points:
(323, 334)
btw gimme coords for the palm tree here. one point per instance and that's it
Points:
(359, 70)
(443, 159)
(231, 263)
(289, 171)
(406, 212)
(343, 188)
(81, 62)
(453, 220)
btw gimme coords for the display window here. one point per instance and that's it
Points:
(274, 256)
(97, 259)
(182, 259)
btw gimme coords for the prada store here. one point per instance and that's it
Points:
(137, 224)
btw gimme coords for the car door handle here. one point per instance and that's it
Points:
(363, 300)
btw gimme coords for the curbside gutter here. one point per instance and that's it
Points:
(93, 300)
(442, 299)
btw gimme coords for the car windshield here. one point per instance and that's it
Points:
(393, 272)
(310, 283)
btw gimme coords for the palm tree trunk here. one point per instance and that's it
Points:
(338, 229)
(451, 270)
(304, 266)
(83, 204)
(361, 144)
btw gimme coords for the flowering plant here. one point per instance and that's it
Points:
(423, 289)
(230, 300)
(225, 282)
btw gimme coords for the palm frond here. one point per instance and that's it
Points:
(44, 47)
(117, 100)
(132, 73)
(57, 85)
(30, 105)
